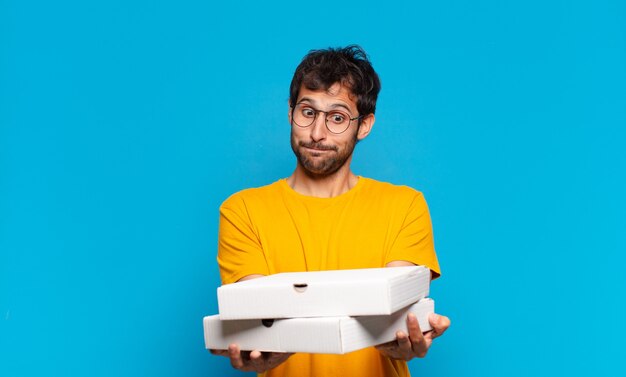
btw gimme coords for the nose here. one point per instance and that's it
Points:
(318, 128)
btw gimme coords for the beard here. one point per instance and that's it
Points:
(322, 166)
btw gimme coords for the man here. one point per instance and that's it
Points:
(324, 217)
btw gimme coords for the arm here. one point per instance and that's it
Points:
(240, 258)
(414, 241)
(239, 250)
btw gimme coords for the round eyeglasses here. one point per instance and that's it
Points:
(337, 121)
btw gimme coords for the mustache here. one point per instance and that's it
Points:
(315, 145)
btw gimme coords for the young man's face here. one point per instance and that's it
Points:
(319, 151)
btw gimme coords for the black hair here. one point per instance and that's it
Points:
(349, 66)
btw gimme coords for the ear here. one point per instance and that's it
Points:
(289, 112)
(367, 122)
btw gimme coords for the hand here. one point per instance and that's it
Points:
(252, 361)
(415, 344)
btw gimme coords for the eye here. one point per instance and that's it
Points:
(307, 112)
(337, 117)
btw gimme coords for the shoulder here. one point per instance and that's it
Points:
(391, 197)
(388, 190)
(250, 196)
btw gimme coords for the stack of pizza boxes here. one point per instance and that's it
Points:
(332, 312)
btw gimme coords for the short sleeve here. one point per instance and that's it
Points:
(414, 242)
(239, 251)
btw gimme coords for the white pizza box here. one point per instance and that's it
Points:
(335, 335)
(371, 291)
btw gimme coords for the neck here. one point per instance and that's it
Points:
(305, 183)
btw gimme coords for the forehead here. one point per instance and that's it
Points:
(336, 95)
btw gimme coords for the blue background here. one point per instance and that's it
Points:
(124, 125)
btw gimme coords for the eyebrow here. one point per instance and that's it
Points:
(333, 106)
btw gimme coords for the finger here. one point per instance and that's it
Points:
(219, 352)
(414, 326)
(419, 344)
(235, 356)
(256, 359)
(404, 345)
(439, 324)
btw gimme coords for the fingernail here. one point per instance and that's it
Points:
(434, 317)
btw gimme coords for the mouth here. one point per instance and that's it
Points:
(318, 148)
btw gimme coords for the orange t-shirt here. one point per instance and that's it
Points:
(274, 229)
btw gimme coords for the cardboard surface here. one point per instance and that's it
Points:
(334, 335)
(372, 291)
